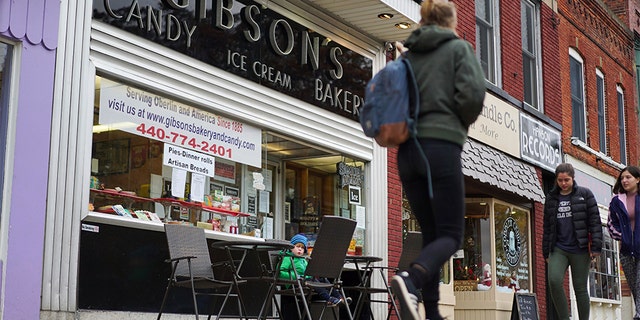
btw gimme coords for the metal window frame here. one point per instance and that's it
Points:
(582, 117)
(602, 110)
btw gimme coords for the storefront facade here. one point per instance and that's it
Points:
(236, 116)
(28, 44)
(503, 161)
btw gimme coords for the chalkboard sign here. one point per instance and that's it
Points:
(525, 307)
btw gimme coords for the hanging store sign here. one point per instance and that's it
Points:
(155, 117)
(540, 143)
(253, 42)
(349, 175)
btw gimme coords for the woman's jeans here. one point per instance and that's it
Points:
(559, 261)
(441, 218)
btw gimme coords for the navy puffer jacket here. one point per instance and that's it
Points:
(620, 227)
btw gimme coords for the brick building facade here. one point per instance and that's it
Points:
(605, 44)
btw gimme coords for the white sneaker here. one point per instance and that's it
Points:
(411, 306)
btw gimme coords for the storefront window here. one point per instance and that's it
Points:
(154, 158)
(315, 191)
(490, 222)
(604, 279)
(472, 263)
(5, 74)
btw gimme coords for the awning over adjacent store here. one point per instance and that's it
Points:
(491, 166)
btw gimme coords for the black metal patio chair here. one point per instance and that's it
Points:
(191, 268)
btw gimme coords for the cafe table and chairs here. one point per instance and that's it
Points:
(251, 261)
(366, 269)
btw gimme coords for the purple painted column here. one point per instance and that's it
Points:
(34, 24)
(23, 281)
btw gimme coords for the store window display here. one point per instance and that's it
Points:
(473, 258)
(474, 263)
(155, 158)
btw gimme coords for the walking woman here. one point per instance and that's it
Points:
(572, 237)
(622, 225)
(452, 89)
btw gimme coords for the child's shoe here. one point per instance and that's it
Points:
(333, 301)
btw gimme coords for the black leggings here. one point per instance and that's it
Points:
(441, 218)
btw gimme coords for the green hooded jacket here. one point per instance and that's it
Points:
(287, 269)
(451, 83)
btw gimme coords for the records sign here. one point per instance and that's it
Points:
(540, 143)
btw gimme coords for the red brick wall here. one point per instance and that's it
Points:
(394, 203)
(633, 17)
(466, 20)
(602, 43)
(618, 7)
(539, 266)
(511, 48)
(550, 64)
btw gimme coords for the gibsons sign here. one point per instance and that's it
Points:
(255, 43)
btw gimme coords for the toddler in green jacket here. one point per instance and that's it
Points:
(297, 265)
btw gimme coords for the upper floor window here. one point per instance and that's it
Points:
(621, 125)
(486, 38)
(602, 123)
(531, 71)
(578, 118)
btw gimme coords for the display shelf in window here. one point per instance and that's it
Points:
(121, 194)
(179, 210)
(115, 196)
(199, 206)
(224, 211)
